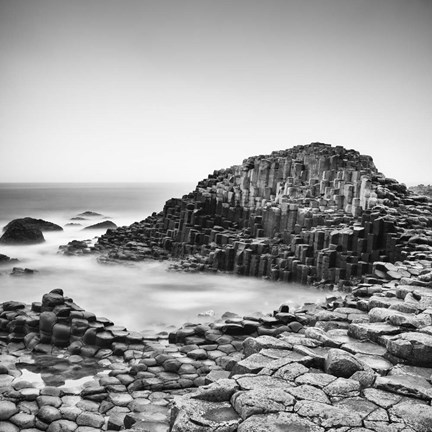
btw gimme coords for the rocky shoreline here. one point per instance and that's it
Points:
(360, 361)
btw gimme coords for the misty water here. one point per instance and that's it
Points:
(141, 296)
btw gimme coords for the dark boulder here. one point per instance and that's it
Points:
(19, 271)
(102, 225)
(34, 223)
(19, 233)
(4, 259)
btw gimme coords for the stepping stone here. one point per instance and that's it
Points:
(328, 416)
(278, 422)
(375, 362)
(252, 382)
(308, 392)
(416, 415)
(372, 331)
(261, 401)
(255, 345)
(193, 416)
(415, 347)
(252, 364)
(316, 379)
(356, 347)
(405, 385)
(415, 371)
(384, 399)
(7, 409)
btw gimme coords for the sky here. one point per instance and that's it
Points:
(170, 90)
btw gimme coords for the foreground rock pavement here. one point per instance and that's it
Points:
(335, 366)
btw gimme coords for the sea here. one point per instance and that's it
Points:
(141, 296)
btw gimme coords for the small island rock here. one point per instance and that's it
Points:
(102, 225)
(19, 233)
(34, 223)
(89, 213)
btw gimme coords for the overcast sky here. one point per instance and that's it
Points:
(137, 90)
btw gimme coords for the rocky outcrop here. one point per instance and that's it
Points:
(4, 260)
(329, 367)
(102, 225)
(313, 213)
(21, 234)
(39, 224)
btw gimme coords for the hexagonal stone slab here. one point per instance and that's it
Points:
(279, 422)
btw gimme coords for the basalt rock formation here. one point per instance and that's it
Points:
(313, 213)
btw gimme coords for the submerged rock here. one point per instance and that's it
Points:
(4, 259)
(19, 271)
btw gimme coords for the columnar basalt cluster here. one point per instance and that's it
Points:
(355, 363)
(311, 213)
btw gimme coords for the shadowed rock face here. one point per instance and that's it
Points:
(29, 222)
(19, 233)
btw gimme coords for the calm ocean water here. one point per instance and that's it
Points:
(142, 296)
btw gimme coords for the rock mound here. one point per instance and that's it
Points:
(89, 213)
(34, 223)
(312, 213)
(21, 234)
(102, 225)
(4, 259)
